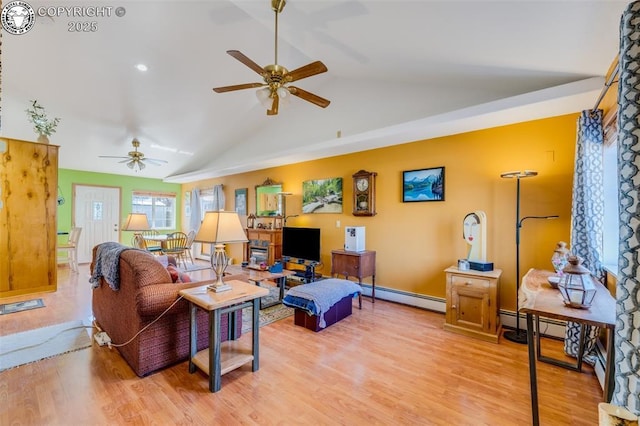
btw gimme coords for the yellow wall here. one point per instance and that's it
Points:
(415, 242)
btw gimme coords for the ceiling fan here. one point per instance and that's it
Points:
(135, 158)
(276, 77)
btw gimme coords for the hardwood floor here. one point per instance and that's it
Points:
(385, 364)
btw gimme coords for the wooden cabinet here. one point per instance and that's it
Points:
(28, 217)
(473, 306)
(359, 264)
(268, 240)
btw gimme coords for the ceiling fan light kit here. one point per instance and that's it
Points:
(276, 77)
(136, 159)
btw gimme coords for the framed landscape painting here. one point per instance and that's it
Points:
(322, 196)
(241, 201)
(423, 185)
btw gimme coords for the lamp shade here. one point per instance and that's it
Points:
(220, 227)
(136, 222)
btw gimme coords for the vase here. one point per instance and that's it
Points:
(43, 139)
(559, 259)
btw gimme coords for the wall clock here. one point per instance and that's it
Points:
(364, 193)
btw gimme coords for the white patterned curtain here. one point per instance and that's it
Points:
(196, 215)
(587, 214)
(218, 197)
(627, 331)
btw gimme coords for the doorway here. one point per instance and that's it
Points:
(96, 209)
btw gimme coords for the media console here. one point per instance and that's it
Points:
(302, 276)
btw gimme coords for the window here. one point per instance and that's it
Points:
(610, 182)
(159, 207)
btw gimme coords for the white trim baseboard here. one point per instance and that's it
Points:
(549, 327)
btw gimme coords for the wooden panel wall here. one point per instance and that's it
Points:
(28, 217)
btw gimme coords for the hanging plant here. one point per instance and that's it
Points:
(41, 123)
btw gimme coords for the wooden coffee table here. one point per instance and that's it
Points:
(211, 360)
(257, 276)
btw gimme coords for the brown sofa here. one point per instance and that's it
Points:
(144, 293)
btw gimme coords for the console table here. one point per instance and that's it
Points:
(210, 360)
(359, 264)
(539, 299)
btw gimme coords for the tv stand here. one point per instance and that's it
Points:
(308, 274)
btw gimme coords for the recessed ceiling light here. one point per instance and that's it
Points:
(141, 67)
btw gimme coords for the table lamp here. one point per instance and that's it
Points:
(218, 228)
(136, 222)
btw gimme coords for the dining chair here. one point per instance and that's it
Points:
(153, 246)
(138, 241)
(70, 249)
(190, 237)
(176, 246)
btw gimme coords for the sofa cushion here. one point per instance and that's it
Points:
(177, 276)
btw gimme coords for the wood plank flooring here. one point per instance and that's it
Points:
(386, 364)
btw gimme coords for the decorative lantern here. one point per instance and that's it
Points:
(277, 222)
(251, 221)
(576, 284)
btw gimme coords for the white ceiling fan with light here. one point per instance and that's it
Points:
(135, 159)
(276, 77)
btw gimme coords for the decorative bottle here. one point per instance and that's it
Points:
(560, 257)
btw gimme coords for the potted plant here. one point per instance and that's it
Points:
(41, 123)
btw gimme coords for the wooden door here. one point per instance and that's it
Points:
(97, 211)
(28, 217)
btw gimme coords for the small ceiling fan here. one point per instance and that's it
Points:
(136, 159)
(276, 77)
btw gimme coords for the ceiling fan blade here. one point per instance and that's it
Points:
(308, 96)
(111, 156)
(125, 160)
(274, 105)
(154, 161)
(237, 87)
(245, 60)
(305, 71)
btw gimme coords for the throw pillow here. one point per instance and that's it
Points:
(184, 278)
(173, 271)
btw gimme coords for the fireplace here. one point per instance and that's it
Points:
(260, 254)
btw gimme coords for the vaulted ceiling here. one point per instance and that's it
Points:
(398, 71)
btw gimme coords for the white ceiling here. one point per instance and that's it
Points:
(398, 71)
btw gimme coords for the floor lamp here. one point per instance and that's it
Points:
(518, 335)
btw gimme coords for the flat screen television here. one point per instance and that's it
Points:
(301, 243)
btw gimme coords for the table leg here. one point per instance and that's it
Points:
(232, 323)
(214, 351)
(610, 367)
(255, 330)
(373, 288)
(281, 283)
(193, 336)
(532, 370)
